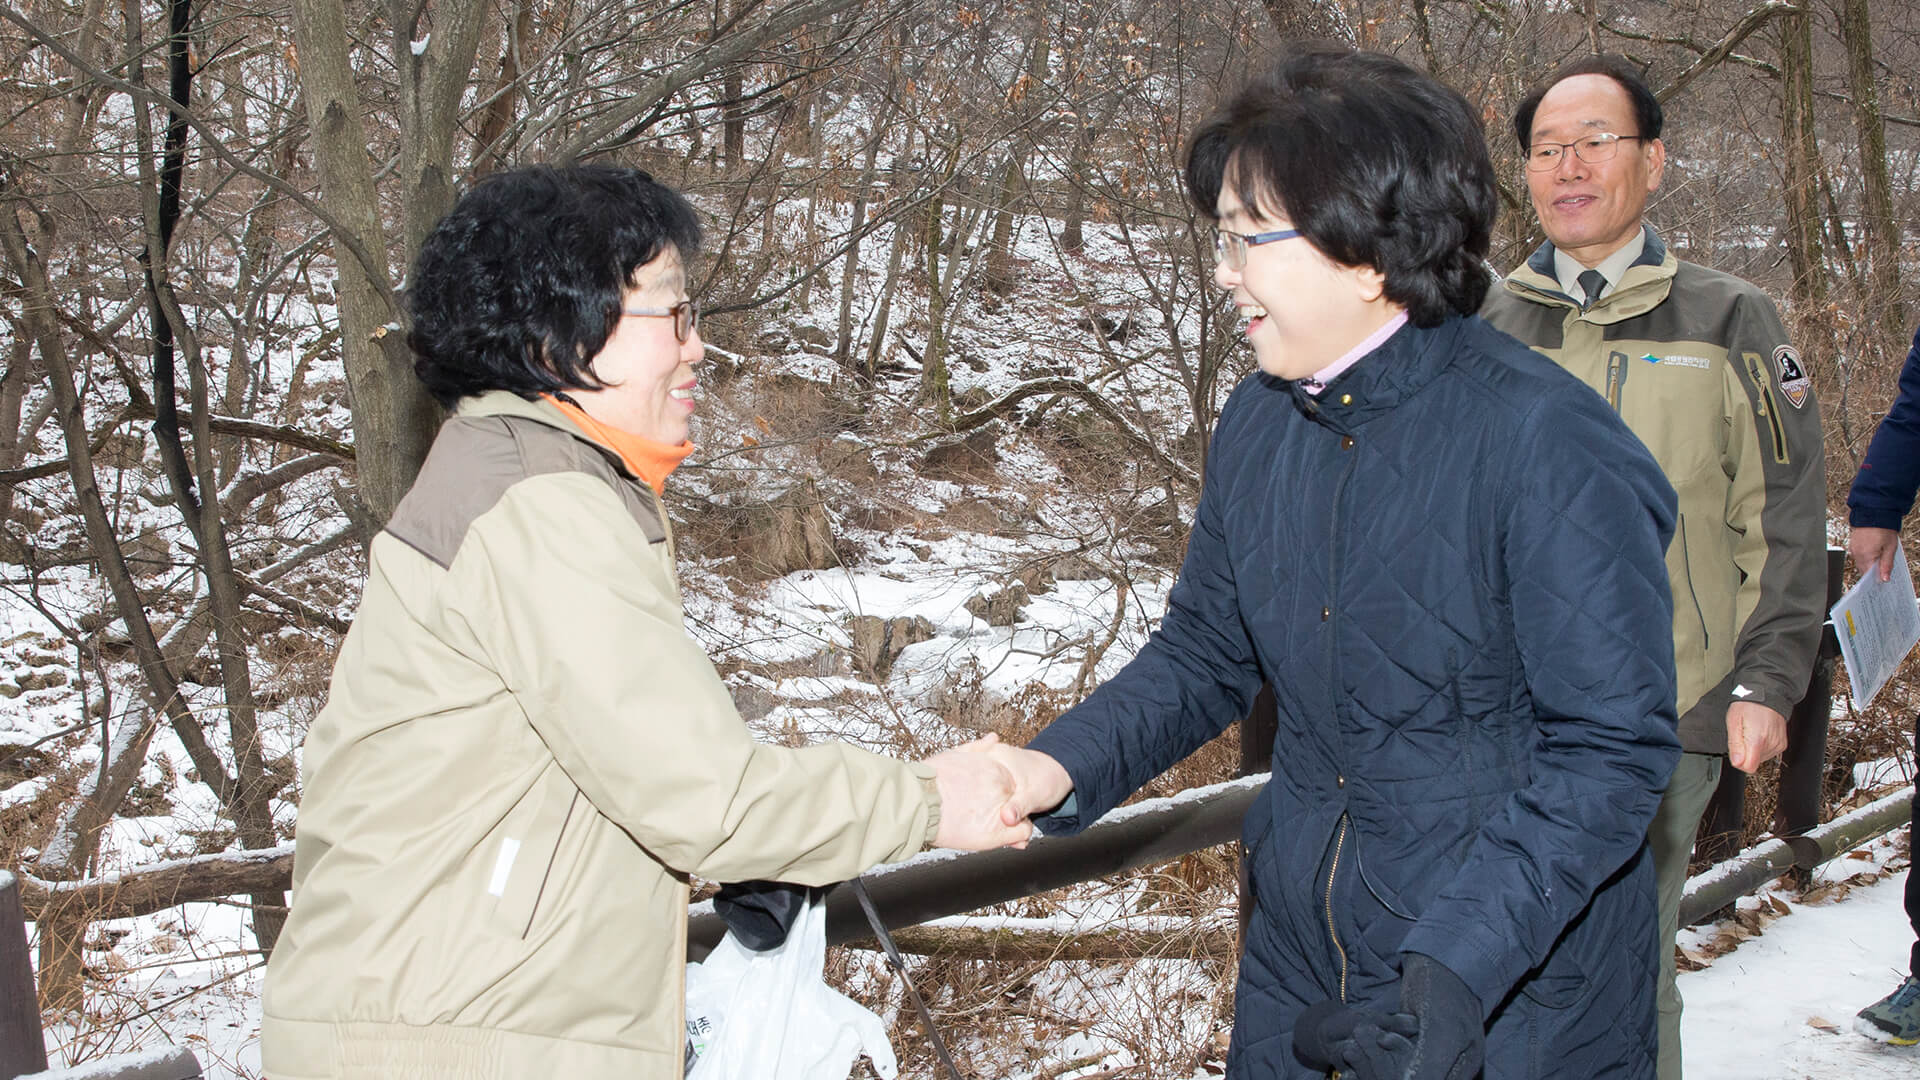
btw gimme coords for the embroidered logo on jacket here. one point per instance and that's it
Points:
(1793, 377)
(1679, 360)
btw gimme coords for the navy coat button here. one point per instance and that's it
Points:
(1346, 442)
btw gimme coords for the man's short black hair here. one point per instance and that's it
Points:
(1646, 108)
(518, 287)
(1374, 162)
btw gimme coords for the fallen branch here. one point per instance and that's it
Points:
(56, 467)
(292, 604)
(147, 889)
(1002, 406)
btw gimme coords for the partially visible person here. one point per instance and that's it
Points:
(1445, 555)
(1698, 364)
(524, 755)
(1880, 499)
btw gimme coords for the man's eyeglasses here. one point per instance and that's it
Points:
(685, 316)
(1593, 150)
(1231, 247)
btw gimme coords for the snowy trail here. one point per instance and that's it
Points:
(1748, 1015)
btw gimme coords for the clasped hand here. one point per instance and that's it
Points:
(988, 789)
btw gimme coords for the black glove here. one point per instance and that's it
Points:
(1436, 1035)
(760, 912)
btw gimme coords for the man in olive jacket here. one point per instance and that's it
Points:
(1698, 365)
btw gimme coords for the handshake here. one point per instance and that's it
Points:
(988, 789)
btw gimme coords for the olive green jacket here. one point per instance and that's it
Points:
(1698, 365)
(523, 758)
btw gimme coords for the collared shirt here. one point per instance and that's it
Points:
(651, 461)
(1318, 381)
(1568, 269)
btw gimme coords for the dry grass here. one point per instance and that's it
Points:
(26, 825)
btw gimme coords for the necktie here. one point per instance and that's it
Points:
(1591, 283)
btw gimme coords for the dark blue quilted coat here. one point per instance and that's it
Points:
(1449, 566)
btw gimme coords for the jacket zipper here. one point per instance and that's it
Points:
(1339, 845)
(1765, 385)
(1616, 378)
(1686, 563)
(1333, 669)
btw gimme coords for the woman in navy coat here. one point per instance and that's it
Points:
(1881, 497)
(1446, 556)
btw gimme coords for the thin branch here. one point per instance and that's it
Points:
(1722, 49)
(376, 271)
(284, 434)
(726, 51)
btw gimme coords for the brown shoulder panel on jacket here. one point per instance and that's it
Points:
(475, 459)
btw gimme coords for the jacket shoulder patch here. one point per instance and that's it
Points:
(1794, 383)
(473, 462)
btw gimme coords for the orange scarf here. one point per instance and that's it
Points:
(650, 461)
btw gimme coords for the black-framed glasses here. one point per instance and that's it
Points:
(685, 316)
(1231, 247)
(1593, 149)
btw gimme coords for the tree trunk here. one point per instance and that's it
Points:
(1000, 245)
(1306, 20)
(1883, 232)
(1073, 230)
(60, 971)
(1026, 97)
(1802, 165)
(13, 395)
(1423, 29)
(877, 342)
(843, 336)
(733, 123)
(252, 802)
(488, 153)
(934, 389)
(394, 419)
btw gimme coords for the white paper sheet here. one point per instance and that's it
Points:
(1877, 623)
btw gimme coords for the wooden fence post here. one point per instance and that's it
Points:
(1257, 733)
(1802, 767)
(22, 1048)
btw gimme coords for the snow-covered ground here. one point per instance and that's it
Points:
(1781, 1005)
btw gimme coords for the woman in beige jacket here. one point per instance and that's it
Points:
(524, 755)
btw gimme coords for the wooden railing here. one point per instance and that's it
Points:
(942, 883)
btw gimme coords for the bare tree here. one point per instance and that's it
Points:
(1882, 229)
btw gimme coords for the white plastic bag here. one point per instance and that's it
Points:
(771, 1015)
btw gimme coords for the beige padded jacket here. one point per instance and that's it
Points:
(523, 758)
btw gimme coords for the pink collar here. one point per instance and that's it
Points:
(1318, 381)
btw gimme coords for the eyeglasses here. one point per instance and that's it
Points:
(685, 316)
(1593, 150)
(1231, 247)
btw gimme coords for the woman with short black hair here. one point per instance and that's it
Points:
(524, 756)
(1446, 556)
